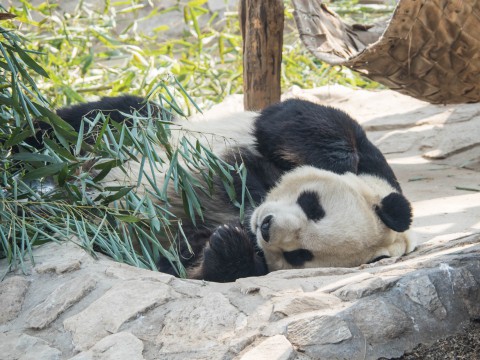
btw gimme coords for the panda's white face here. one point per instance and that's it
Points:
(315, 218)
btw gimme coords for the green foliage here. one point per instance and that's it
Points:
(104, 50)
(57, 192)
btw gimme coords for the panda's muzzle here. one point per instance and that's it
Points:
(265, 227)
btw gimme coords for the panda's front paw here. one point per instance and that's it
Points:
(231, 255)
(228, 240)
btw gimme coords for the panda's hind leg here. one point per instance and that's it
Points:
(114, 107)
(296, 132)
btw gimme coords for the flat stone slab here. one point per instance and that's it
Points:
(60, 300)
(273, 348)
(71, 306)
(12, 295)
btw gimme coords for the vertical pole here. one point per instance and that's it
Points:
(262, 24)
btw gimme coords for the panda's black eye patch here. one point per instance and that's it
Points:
(298, 257)
(310, 204)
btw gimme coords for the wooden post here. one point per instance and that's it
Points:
(262, 32)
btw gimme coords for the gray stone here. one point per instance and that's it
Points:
(206, 323)
(422, 291)
(18, 346)
(12, 295)
(363, 288)
(58, 301)
(128, 272)
(122, 345)
(59, 267)
(345, 281)
(297, 304)
(468, 288)
(239, 344)
(318, 330)
(107, 314)
(397, 142)
(380, 321)
(69, 259)
(274, 348)
(455, 138)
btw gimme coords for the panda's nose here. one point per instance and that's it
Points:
(265, 227)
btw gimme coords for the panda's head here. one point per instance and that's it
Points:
(316, 218)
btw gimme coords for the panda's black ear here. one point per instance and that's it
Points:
(395, 212)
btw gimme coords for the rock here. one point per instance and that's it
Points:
(421, 291)
(71, 259)
(362, 288)
(318, 330)
(58, 301)
(122, 345)
(380, 321)
(108, 313)
(344, 281)
(397, 142)
(238, 344)
(274, 348)
(468, 288)
(18, 346)
(206, 323)
(12, 296)
(454, 139)
(59, 267)
(297, 304)
(127, 272)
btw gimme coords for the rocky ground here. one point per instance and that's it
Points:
(71, 306)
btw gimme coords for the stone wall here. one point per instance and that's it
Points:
(72, 306)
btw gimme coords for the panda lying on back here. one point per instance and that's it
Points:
(325, 195)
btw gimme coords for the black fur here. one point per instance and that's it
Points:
(378, 258)
(197, 240)
(296, 132)
(229, 255)
(110, 106)
(262, 173)
(289, 134)
(395, 212)
(265, 227)
(222, 255)
(310, 204)
(298, 257)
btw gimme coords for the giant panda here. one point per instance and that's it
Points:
(323, 194)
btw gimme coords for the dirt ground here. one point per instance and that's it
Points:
(464, 346)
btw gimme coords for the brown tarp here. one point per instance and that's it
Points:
(429, 49)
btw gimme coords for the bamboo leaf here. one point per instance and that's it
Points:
(45, 171)
(32, 157)
(29, 61)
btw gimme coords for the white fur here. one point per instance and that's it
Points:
(350, 233)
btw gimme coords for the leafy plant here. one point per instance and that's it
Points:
(54, 190)
(96, 50)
